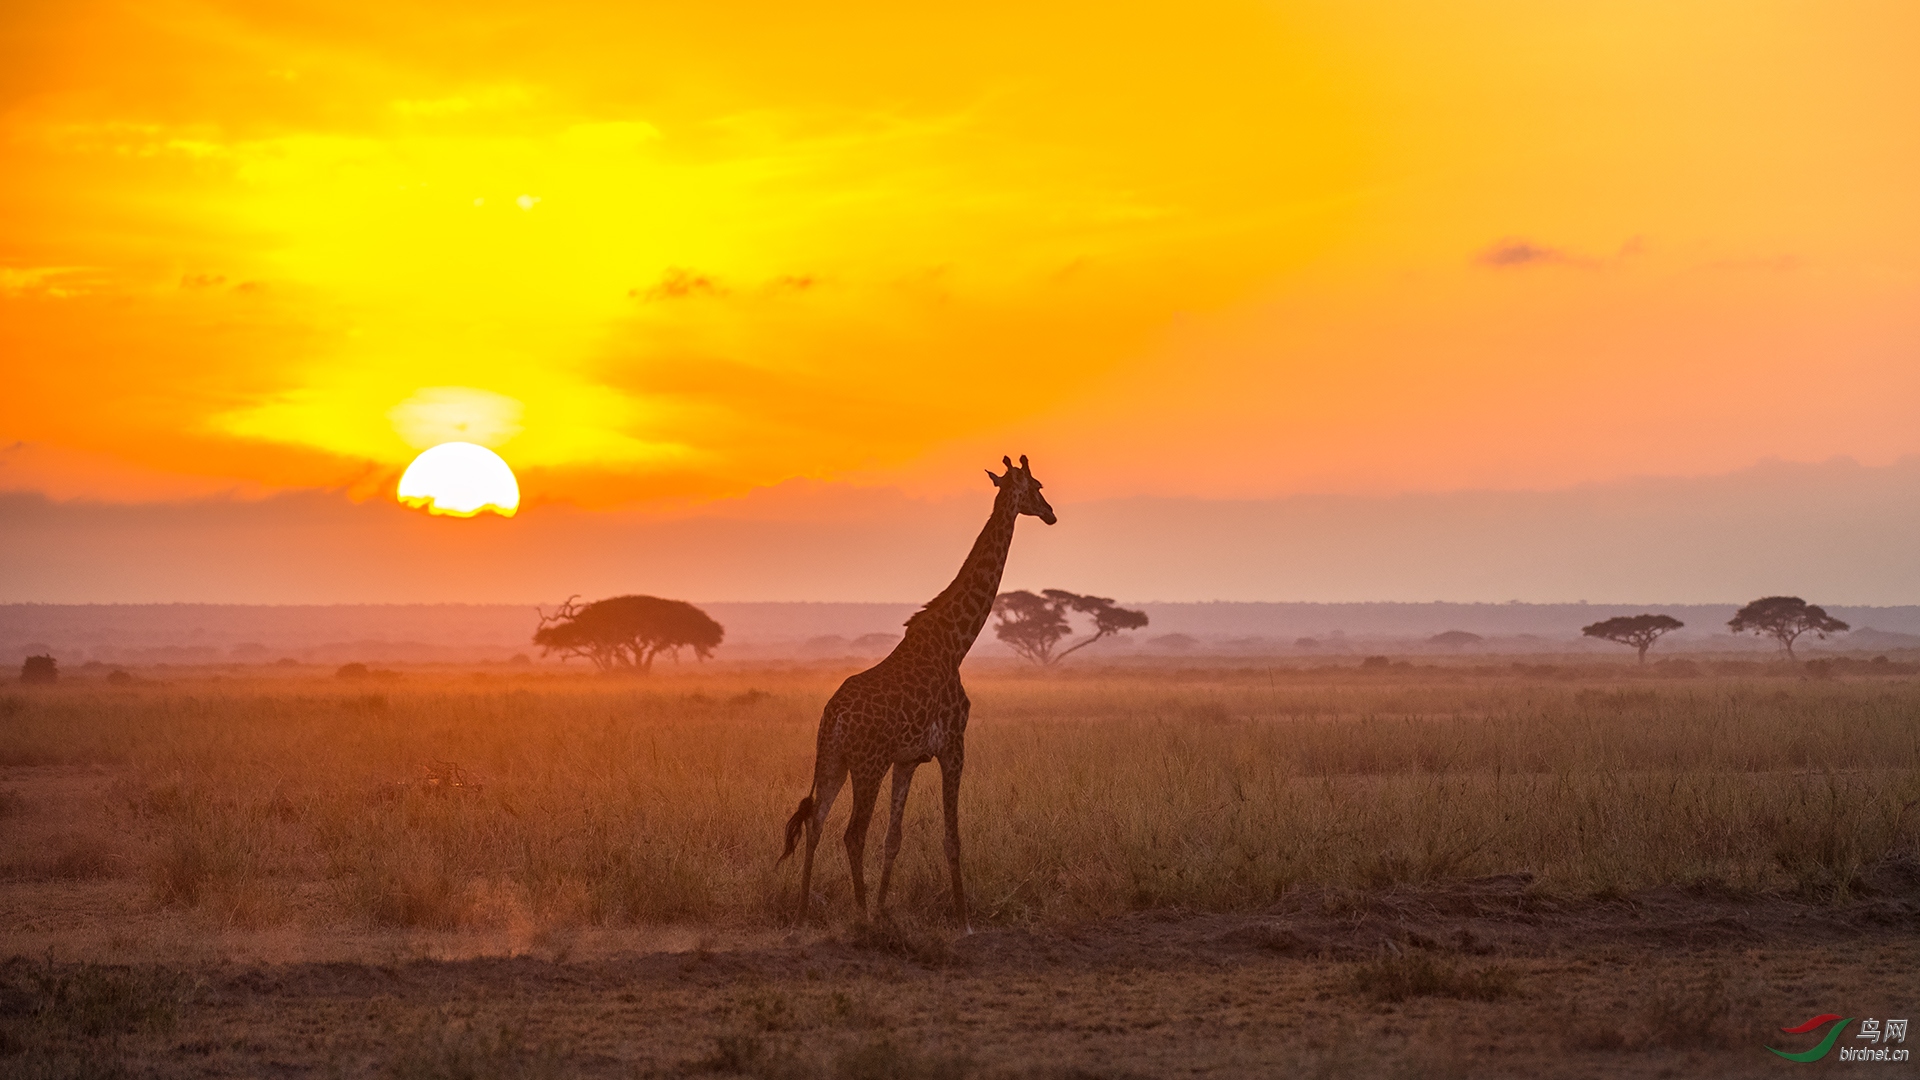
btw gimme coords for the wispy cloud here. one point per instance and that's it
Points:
(58, 282)
(680, 284)
(1509, 253)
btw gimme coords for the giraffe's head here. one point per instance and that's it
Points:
(1019, 486)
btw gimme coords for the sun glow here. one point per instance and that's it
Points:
(460, 479)
(696, 250)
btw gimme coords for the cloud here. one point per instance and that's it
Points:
(63, 473)
(55, 281)
(437, 414)
(680, 284)
(1517, 252)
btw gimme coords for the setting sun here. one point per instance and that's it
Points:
(460, 479)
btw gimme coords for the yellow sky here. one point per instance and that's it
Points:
(1212, 249)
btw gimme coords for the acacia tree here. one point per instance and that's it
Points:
(1784, 618)
(1034, 625)
(627, 631)
(1030, 624)
(1639, 631)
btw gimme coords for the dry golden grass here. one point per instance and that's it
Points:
(582, 801)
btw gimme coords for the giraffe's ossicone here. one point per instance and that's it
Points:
(910, 708)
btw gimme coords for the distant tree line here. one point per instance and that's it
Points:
(630, 632)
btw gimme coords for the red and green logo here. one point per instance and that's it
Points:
(1825, 1046)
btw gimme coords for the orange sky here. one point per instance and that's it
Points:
(658, 257)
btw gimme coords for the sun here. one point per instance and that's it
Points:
(460, 479)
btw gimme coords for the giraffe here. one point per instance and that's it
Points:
(910, 708)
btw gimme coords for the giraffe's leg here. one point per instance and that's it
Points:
(950, 763)
(823, 796)
(902, 779)
(865, 791)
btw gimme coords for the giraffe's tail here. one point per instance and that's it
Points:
(796, 825)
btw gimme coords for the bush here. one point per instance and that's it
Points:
(1421, 974)
(91, 1000)
(40, 669)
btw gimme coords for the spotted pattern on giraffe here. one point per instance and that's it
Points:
(911, 708)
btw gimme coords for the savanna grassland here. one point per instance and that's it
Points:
(1510, 869)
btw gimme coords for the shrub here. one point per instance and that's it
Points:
(1421, 974)
(40, 669)
(92, 1000)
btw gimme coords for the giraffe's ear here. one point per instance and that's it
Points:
(996, 479)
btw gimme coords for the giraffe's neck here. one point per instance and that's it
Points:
(946, 628)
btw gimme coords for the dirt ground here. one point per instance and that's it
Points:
(1483, 978)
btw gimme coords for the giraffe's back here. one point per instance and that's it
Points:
(894, 711)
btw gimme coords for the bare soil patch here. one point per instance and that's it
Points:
(1476, 978)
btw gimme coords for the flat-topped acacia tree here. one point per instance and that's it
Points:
(627, 631)
(1034, 625)
(1639, 631)
(1784, 618)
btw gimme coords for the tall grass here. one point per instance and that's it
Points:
(660, 800)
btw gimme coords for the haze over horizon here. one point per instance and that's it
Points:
(1710, 540)
(1294, 301)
